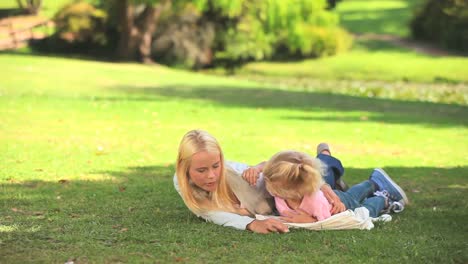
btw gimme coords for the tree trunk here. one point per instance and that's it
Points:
(149, 18)
(126, 48)
(31, 7)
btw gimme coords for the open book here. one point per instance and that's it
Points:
(357, 219)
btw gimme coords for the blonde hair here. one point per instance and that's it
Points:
(293, 174)
(197, 199)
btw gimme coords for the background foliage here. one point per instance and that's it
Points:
(444, 23)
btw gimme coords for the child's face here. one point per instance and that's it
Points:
(205, 170)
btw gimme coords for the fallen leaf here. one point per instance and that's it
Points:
(123, 230)
(122, 188)
(74, 215)
(63, 181)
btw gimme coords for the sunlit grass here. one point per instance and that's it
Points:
(376, 16)
(88, 151)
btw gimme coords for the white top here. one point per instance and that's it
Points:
(227, 218)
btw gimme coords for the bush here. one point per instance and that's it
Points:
(184, 39)
(81, 29)
(276, 29)
(315, 41)
(443, 22)
(80, 22)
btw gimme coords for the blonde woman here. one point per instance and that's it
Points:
(295, 179)
(214, 189)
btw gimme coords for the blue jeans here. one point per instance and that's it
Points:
(333, 171)
(362, 195)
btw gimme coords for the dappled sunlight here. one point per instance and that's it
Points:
(369, 5)
(458, 186)
(8, 228)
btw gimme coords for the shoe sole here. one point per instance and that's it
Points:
(403, 194)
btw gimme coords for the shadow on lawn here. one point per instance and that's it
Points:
(386, 21)
(381, 110)
(94, 218)
(145, 195)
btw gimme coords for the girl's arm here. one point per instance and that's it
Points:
(251, 174)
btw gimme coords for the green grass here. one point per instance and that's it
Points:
(363, 63)
(48, 9)
(88, 149)
(377, 16)
(377, 66)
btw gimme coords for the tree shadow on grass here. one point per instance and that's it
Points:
(141, 212)
(387, 21)
(381, 110)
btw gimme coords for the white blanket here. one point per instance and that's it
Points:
(357, 219)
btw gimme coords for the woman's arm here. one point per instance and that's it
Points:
(239, 221)
(245, 223)
(333, 199)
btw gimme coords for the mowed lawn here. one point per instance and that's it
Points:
(88, 150)
(376, 56)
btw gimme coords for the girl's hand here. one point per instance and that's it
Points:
(299, 216)
(251, 175)
(267, 226)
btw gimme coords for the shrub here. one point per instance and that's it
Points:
(81, 22)
(277, 29)
(184, 39)
(443, 22)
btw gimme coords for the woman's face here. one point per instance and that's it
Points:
(205, 169)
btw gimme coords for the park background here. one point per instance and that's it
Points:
(89, 133)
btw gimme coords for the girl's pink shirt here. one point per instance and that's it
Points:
(314, 204)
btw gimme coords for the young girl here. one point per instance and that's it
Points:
(294, 179)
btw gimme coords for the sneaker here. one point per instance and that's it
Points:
(341, 185)
(396, 207)
(392, 206)
(321, 147)
(385, 183)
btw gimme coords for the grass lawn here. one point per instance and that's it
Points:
(88, 149)
(48, 8)
(378, 66)
(377, 16)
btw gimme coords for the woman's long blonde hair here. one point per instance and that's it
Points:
(196, 199)
(292, 174)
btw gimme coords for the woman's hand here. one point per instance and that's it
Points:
(251, 174)
(267, 226)
(337, 207)
(299, 216)
(333, 199)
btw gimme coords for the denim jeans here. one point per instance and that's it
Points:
(362, 195)
(333, 171)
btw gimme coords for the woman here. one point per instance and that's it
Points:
(214, 189)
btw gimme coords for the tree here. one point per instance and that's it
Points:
(30, 6)
(138, 19)
(137, 23)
